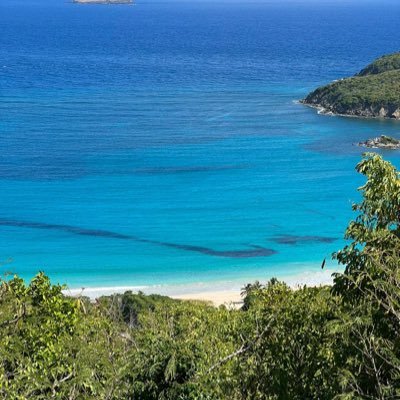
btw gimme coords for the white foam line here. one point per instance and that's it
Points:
(308, 278)
(93, 292)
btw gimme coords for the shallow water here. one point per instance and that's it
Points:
(161, 143)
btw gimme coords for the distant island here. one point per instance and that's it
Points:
(372, 93)
(103, 1)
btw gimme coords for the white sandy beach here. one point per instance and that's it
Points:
(227, 297)
(218, 293)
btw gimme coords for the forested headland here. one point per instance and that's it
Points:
(373, 92)
(338, 342)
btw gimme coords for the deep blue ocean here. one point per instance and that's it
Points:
(161, 143)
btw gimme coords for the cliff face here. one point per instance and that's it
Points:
(373, 93)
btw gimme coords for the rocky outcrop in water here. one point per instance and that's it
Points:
(381, 142)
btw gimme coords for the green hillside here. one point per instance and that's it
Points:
(386, 63)
(373, 92)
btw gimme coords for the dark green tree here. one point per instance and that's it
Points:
(370, 286)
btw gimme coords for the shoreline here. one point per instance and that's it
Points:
(218, 293)
(321, 110)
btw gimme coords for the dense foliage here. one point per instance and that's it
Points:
(339, 342)
(373, 92)
(385, 63)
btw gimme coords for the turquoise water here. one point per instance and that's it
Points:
(162, 143)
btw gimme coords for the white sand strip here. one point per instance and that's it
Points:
(218, 293)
